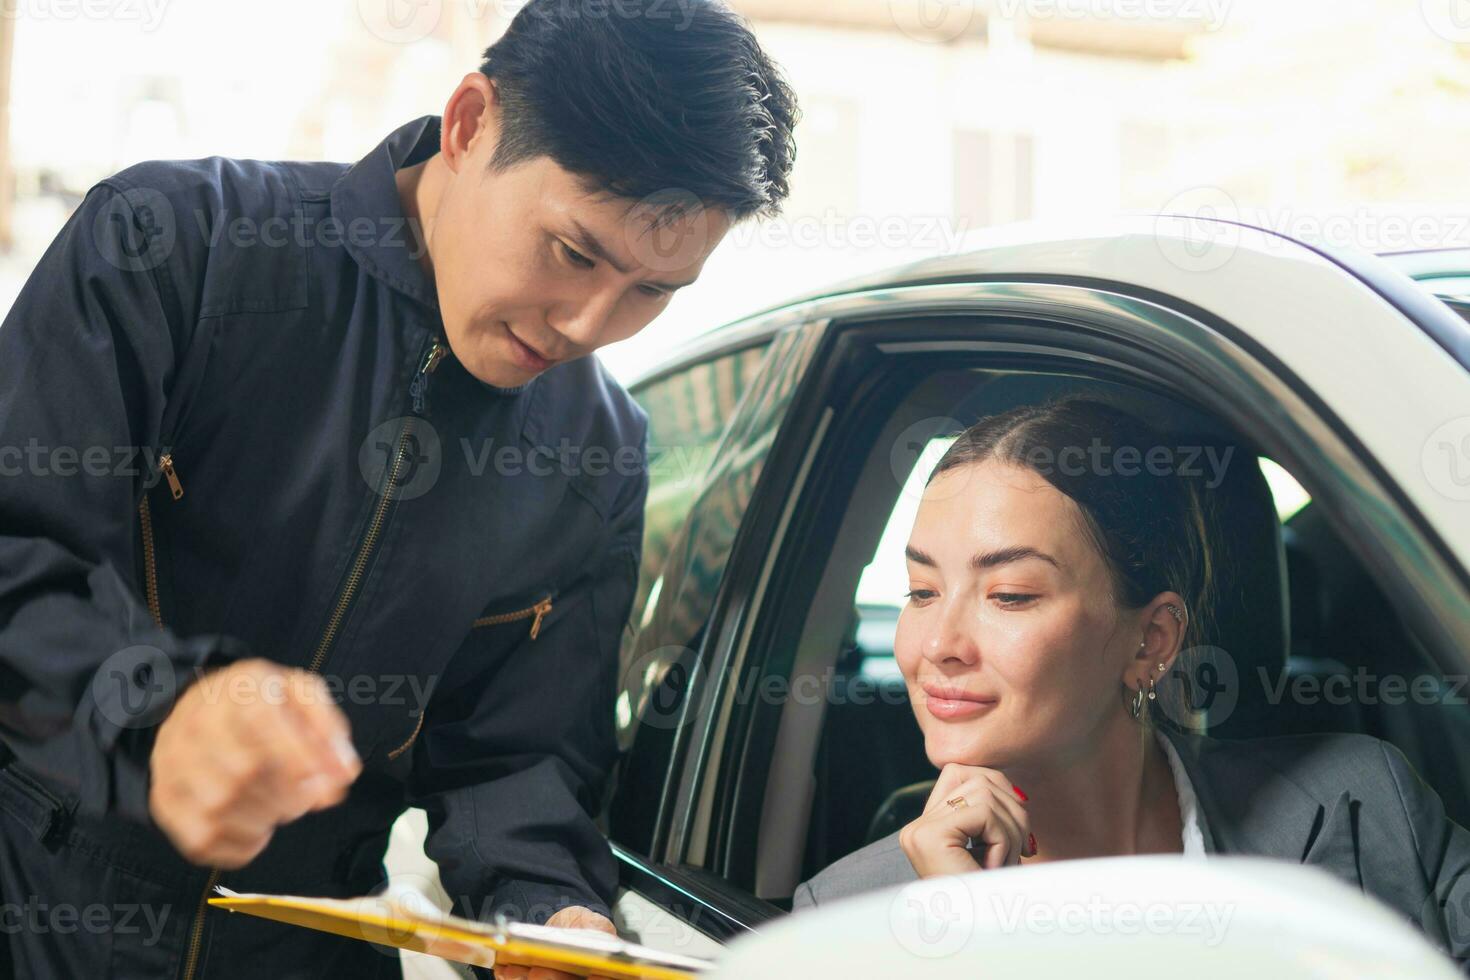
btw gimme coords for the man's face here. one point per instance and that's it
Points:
(534, 269)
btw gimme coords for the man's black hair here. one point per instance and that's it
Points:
(646, 97)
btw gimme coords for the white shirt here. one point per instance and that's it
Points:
(1194, 838)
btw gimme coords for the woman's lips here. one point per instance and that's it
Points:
(948, 703)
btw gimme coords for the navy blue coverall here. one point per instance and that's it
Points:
(230, 426)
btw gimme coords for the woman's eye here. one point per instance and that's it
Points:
(651, 291)
(920, 594)
(574, 256)
(1012, 598)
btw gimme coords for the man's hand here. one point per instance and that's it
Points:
(571, 917)
(246, 748)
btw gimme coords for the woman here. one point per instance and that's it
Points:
(1049, 594)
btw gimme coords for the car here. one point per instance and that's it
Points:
(764, 727)
(1445, 272)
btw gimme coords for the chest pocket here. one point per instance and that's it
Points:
(504, 626)
(535, 613)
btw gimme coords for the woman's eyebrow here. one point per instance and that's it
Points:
(989, 559)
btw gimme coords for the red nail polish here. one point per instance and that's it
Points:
(1022, 796)
(1031, 839)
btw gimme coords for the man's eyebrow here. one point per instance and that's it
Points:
(990, 559)
(588, 242)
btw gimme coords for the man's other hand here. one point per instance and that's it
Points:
(571, 917)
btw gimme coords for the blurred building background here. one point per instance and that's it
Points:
(925, 120)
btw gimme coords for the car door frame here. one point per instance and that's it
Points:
(713, 783)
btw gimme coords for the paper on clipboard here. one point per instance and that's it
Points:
(422, 927)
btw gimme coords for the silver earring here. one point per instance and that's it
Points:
(1135, 706)
(1175, 611)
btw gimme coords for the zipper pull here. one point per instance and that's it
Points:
(542, 608)
(420, 387)
(166, 464)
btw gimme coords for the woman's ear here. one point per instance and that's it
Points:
(1164, 624)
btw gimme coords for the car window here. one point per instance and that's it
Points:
(687, 414)
(1448, 285)
(1289, 495)
(711, 429)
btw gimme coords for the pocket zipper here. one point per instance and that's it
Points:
(150, 555)
(539, 610)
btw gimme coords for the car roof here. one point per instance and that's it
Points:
(1105, 247)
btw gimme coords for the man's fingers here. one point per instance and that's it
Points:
(283, 759)
(294, 720)
(319, 715)
(207, 843)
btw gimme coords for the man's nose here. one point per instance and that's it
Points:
(583, 318)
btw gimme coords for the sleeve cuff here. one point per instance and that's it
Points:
(131, 695)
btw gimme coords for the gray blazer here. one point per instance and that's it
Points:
(1350, 804)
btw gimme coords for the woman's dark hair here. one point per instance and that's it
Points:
(644, 97)
(1149, 522)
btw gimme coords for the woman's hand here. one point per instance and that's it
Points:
(992, 814)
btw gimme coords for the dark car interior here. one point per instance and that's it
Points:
(1294, 607)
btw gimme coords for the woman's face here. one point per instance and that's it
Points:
(1011, 643)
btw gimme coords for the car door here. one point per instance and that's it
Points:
(723, 802)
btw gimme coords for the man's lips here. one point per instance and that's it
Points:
(531, 355)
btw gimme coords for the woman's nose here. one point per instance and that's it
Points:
(952, 637)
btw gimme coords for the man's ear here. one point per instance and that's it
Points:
(471, 121)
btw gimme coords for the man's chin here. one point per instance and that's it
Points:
(500, 374)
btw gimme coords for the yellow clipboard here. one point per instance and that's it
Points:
(391, 922)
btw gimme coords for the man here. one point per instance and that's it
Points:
(314, 507)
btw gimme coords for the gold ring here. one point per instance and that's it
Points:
(958, 802)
